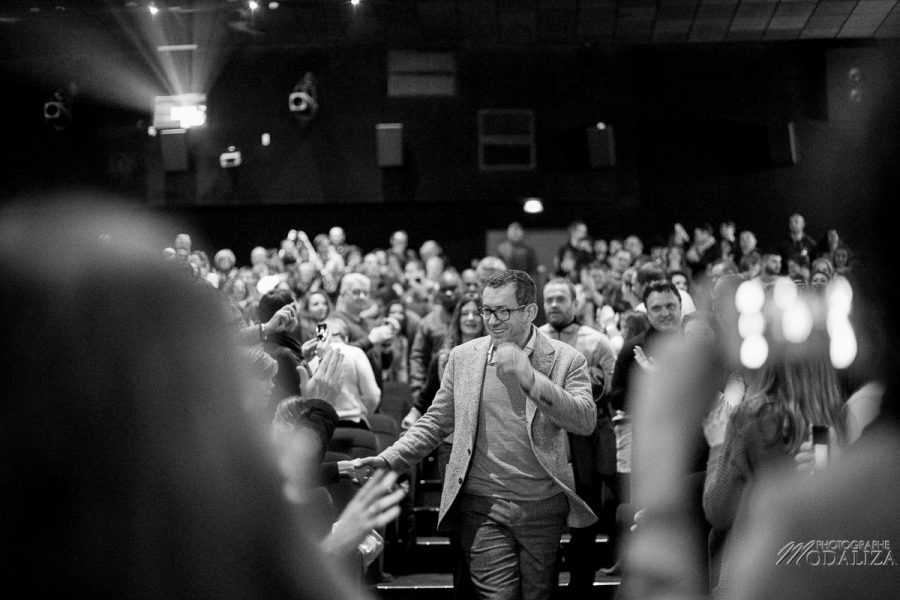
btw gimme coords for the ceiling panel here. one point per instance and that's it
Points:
(443, 23)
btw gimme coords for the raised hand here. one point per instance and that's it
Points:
(716, 423)
(647, 363)
(381, 333)
(511, 361)
(283, 318)
(325, 384)
(374, 506)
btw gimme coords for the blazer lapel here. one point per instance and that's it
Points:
(542, 361)
(472, 382)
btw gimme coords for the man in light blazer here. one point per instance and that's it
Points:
(509, 398)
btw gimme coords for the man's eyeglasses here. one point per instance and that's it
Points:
(502, 314)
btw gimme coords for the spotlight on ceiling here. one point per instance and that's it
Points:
(58, 111)
(253, 5)
(533, 206)
(303, 100)
(154, 10)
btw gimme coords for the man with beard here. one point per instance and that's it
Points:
(771, 268)
(798, 242)
(593, 456)
(428, 341)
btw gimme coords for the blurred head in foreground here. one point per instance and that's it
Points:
(129, 467)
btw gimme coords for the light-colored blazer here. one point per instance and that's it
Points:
(560, 401)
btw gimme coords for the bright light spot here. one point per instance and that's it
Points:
(840, 296)
(601, 125)
(151, 131)
(797, 323)
(533, 206)
(751, 324)
(785, 293)
(750, 297)
(189, 116)
(354, 2)
(153, 9)
(266, 139)
(843, 344)
(273, 5)
(754, 351)
(253, 5)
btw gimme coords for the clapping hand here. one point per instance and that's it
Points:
(716, 423)
(511, 362)
(372, 507)
(326, 382)
(647, 363)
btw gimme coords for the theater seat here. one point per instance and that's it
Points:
(354, 442)
(396, 399)
(385, 428)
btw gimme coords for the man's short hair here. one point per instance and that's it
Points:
(564, 281)
(415, 262)
(650, 271)
(661, 287)
(271, 302)
(749, 260)
(525, 292)
(800, 260)
(574, 225)
(674, 272)
(728, 266)
(349, 278)
(337, 326)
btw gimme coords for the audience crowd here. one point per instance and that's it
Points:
(352, 326)
(688, 340)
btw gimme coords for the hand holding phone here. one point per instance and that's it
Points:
(819, 437)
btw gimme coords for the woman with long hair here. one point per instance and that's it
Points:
(314, 308)
(783, 400)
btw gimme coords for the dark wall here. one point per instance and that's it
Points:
(694, 126)
(333, 159)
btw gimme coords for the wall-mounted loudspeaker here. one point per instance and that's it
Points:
(601, 146)
(389, 141)
(783, 144)
(174, 149)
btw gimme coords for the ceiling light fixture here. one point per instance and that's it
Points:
(533, 206)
